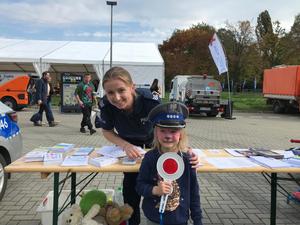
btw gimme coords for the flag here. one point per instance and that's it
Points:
(216, 50)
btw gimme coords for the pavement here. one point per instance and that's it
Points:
(226, 198)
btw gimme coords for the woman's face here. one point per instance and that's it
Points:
(120, 94)
(168, 138)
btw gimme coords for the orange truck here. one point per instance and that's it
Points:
(281, 88)
(13, 90)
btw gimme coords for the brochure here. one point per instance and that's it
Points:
(53, 158)
(83, 151)
(62, 147)
(37, 155)
(72, 160)
(103, 161)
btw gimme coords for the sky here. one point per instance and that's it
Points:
(133, 20)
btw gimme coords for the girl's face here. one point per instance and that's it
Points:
(168, 138)
(120, 94)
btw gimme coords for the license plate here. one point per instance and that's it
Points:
(205, 108)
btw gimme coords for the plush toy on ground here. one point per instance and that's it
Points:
(74, 216)
(115, 214)
(91, 198)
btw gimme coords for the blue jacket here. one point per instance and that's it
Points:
(41, 91)
(132, 127)
(189, 201)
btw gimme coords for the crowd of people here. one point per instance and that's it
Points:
(132, 118)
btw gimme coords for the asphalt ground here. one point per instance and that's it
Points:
(226, 198)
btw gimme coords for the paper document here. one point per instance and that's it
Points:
(226, 163)
(83, 150)
(269, 162)
(75, 161)
(115, 151)
(102, 161)
(236, 151)
(53, 158)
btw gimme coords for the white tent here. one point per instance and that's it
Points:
(142, 60)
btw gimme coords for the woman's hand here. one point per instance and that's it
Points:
(194, 159)
(131, 151)
(162, 188)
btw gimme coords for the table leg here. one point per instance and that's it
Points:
(273, 198)
(73, 188)
(55, 199)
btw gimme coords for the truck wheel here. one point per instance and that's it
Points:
(277, 107)
(10, 102)
(3, 177)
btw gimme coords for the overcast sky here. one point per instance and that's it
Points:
(133, 20)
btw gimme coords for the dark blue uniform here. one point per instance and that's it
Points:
(134, 128)
(187, 191)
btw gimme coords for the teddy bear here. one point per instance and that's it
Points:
(74, 216)
(114, 214)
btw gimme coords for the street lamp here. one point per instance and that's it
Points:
(111, 3)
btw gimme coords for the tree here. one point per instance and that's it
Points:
(292, 43)
(269, 40)
(238, 42)
(186, 52)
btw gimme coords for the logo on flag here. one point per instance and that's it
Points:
(216, 50)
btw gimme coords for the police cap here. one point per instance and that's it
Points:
(171, 114)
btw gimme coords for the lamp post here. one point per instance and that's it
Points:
(111, 3)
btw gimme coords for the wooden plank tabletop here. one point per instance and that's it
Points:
(20, 166)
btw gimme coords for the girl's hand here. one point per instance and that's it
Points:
(162, 188)
(131, 151)
(194, 159)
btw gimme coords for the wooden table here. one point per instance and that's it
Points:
(19, 166)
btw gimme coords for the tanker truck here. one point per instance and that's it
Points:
(200, 93)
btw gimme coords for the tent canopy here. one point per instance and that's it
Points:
(142, 60)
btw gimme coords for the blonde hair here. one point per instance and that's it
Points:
(117, 73)
(182, 144)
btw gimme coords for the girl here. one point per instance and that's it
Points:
(124, 112)
(169, 136)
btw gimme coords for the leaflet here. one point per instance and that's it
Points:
(115, 151)
(102, 161)
(72, 160)
(83, 150)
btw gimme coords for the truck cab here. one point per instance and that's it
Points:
(13, 90)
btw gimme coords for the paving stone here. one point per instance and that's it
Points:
(226, 198)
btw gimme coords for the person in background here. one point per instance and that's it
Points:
(123, 119)
(154, 88)
(43, 99)
(31, 90)
(85, 98)
(184, 198)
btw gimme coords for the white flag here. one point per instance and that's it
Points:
(217, 53)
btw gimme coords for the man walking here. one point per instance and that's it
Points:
(85, 98)
(43, 99)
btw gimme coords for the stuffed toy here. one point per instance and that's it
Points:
(90, 198)
(74, 216)
(115, 214)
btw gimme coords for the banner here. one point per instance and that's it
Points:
(216, 50)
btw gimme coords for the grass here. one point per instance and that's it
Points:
(248, 101)
(242, 101)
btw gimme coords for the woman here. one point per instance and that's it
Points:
(124, 112)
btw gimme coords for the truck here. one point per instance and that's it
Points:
(281, 88)
(200, 93)
(13, 89)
